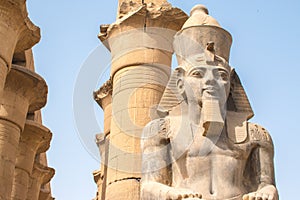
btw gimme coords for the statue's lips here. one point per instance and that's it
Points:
(210, 92)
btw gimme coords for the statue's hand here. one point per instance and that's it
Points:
(268, 192)
(178, 194)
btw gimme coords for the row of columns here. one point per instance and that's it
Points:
(103, 97)
(22, 94)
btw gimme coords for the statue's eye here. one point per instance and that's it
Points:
(223, 75)
(197, 74)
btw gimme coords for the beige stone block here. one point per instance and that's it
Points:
(126, 189)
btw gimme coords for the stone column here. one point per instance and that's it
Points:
(104, 99)
(40, 175)
(24, 92)
(17, 33)
(140, 42)
(34, 139)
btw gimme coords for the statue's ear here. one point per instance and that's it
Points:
(180, 72)
(180, 86)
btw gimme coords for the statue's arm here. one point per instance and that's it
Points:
(156, 182)
(265, 165)
(156, 177)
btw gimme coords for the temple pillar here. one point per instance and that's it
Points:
(140, 42)
(40, 175)
(17, 33)
(24, 92)
(34, 139)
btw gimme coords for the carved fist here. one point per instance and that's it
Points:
(178, 194)
(266, 193)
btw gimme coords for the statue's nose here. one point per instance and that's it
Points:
(209, 78)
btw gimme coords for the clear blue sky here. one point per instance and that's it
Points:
(264, 52)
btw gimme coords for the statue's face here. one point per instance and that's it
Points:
(206, 82)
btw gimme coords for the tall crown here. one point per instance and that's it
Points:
(201, 33)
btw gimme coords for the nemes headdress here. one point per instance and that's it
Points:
(202, 38)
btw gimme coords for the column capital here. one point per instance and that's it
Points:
(24, 91)
(103, 96)
(34, 139)
(145, 32)
(42, 174)
(134, 15)
(17, 32)
(97, 175)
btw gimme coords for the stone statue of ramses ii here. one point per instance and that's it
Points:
(204, 147)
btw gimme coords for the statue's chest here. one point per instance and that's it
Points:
(192, 143)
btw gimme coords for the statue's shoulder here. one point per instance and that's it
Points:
(156, 130)
(259, 134)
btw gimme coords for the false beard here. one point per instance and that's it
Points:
(212, 118)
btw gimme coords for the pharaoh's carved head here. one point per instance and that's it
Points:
(200, 80)
(202, 51)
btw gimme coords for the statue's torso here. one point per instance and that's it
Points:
(213, 167)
